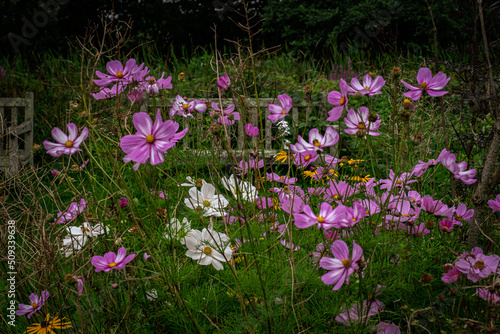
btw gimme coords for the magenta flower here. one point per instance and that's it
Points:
(451, 276)
(418, 229)
(107, 93)
(461, 213)
(494, 204)
(490, 297)
(226, 116)
(446, 225)
(359, 122)
(111, 261)
(279, 112)
(224, 82)
(183, 108)
(36, 304)
(117, 73)
(251, 130)
(432, 85)
(303, 159)
(339, 100)
(153, 86)
(326, 219)
(369, 86)
(399, 182)
(74, 210)
(135, 95)
(342, 265)
(387, 328)
(244, 166)
(316, 141)
(281, 179)
(66, 144)
(357, 313)
(353, 215)
(151, 140)
(146, 256)
(123, 202)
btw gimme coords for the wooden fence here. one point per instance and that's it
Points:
(16, 133)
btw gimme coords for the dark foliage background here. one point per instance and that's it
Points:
(318, 27)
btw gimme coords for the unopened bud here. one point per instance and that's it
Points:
(372, 118)
(181, 76)
(396, 71)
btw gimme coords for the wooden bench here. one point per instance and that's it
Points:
(16, 133)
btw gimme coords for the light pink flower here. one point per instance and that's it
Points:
(151, 140)
(244, 166)
(281, 179)
(352, 216)
(279, 112)
(342, 265)
(399, 182)
(432, 85)
(111, 260)
(35, 305)
(183, 108)
(326, 218)
(66, 144)
(339, 100)
(369, 86)
(358, 122)
(357, 313)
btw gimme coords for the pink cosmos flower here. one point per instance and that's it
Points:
(399, 182)
(153, 86)
(251, 130)
(352, 216)
(111, 260)
(494, 204)
(66, 144)
(387, 328)
(478, 266)
(281, 179)
(74, 210)
(117, 73)
(183, 108)
(491, 297)
(80, 282)
(36, 304)
(135, 95)
(369, 86)
(224, 82)
(342, 265)
(432, 85)
(418, 229)
(326, 219)
(279, 112)
(123, 202)
(316, 141)
(303, 159)
(451, 276)
(446, 225)
(339, 100)
(357, 313)
(461, 213)
(146, 256)
(359, 122)
(55, 172)
(244, 166)
(107, 93)
(151, 140)
(227, 116)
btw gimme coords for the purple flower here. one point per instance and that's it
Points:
(462, 213)
(117, 73)
(224, 82)
(339, 100)
(74, 210)
(226, 116)
(387, 328)
(369, 86)
(66, 144)
(401, 181)
(107, 93)
(183, 108)
(244, 166)
(446, 225)
(279, 112)
(135, 95)
(55, 172)
(316, 141)
(146, 256)
(451, 276)
(494, 204)
(153, 86)
(303, 159)
(281, 179)
(432, 85)
(418, 229)
(491, 297)
(478, 266)
(123, 202)
(151, 140)
(357, 313)
(353, 215)
(326, 218)
(36, 304)
(342, 265)
(111, 260)
(251, 130)
(359, 122)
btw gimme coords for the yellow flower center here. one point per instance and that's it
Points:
(316, 143)
(342, 101)
(406, 215)
(336, 196)
(150, 138)
(84, 229)
(207, 250)
(399, 182)
(34, 305)
(479, 264)
(181, 234)
(361, 125)
(185, 106)
(307, 157)
(423, 85)
(283, 112)
(235, 191)
(367, 88)
(199, 182)
(406, 102)
(151, 81)
(206, 203)
(285, 188)
(112, 265)
(346, 263)
(119, 75)
(458, 216)
(320, 219)
(69, 143)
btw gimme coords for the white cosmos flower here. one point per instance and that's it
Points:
(193, 182)
(72, 245)
(206, 200)
(237, 187)
(78, 236)
(208, 247)
(178, 230)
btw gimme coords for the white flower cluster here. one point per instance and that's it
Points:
(283, 128)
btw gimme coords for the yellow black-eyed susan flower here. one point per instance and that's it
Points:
(47, 326)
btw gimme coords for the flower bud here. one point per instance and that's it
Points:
(396, 71)
(181, 76)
